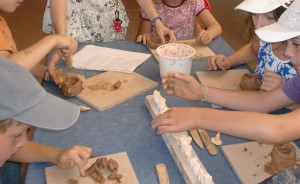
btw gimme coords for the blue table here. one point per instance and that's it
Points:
(126, 127)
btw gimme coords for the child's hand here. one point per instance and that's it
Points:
(144, 38)
(270, 80)
(203, 36)
(59, 77)
(74, 156)
(66, 45)
(217, 62)
(175, 120)
(182, 85)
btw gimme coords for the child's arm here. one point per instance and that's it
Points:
(161, 29)
(243, 55)
(63, 158)
(249, 125)
(58, 9)
(188, 87)
(31, 56)
(213, 28)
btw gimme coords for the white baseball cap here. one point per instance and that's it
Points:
(260, 6)
(287, 26)
(23, 99)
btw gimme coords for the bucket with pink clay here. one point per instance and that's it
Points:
(175, 57)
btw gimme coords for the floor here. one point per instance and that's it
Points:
(26, 26)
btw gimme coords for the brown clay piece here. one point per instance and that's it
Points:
(72, 86)
(72, 181)
(153, 42)
(250, 82)
(117, 85)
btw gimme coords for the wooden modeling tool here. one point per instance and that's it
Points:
(162, 173)
(211, 148)
(68, 63)
(196, 137)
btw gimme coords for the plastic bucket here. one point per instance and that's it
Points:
(175, 57)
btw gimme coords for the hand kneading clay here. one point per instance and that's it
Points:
(155, 42)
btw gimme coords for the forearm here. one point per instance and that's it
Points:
(251, 125)
(248, 100)
(242, 56)
(31, 56)
(148, 8)
(39, 70)
(58, 10)
(215, 30)
(34, 152)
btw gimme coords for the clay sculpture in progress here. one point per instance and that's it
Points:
(72, 86)
(250, 82)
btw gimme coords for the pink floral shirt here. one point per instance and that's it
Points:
(179, 18)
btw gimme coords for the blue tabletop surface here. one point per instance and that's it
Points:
(125, 127)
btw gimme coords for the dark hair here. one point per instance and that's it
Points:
(250, 34)
(4, 124)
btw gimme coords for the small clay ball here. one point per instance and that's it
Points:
(154, 41)
(72, 86)
(250, 82)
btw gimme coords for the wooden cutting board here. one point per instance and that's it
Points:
(229, 79)
(100, 93)
(55, 175)
(248, 160)
(201, 50)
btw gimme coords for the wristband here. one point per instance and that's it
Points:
(205, 94)
(155, 19)
(47, 76)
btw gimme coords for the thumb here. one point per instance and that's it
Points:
(161, 36)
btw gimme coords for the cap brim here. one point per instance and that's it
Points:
(275, 33)
(258, 6)
(51, 113)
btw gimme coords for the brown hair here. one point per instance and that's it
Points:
(4, 124)
(250, 34)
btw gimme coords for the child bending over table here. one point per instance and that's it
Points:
(179, 16)
(244, 123)
(273, 67)
(31, 56)
(24, 103)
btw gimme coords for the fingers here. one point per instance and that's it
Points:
(84, 154)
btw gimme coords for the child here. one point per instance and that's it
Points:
(179, 16)
(24, 103)
(31, 56)
(160, 28)
(87, 21)
(273, 67)
(258, 125)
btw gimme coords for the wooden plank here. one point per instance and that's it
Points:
(174, 148)
(55, 175)
(248, 160)
(201, 50)
(196, 137)
(162, 173)
(101, 93)
(211, 148)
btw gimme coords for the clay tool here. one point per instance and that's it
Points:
(211, 148)
(162, 173)
(68, 63)
(196, 137)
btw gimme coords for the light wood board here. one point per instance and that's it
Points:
(201, 50)
(55, 175)
(100, 93)
(248, 160)
(174, 148)
(229, 79)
